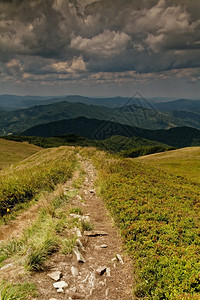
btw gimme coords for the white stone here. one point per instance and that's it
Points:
(74, 271)
(55, 275)
(60, 290)
(103, 246)
(6, 266)
(60, 284)
(108, 272)
(120, 259)
(101, 270)
(95, 233)
(79, 256)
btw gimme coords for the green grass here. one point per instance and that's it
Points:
(48, 234)
(17, 291)
(13, 152)
(42, 171)
(68, 245)
(159, 219)
(35, 260)
(184, 162)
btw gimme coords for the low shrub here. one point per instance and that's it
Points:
(159, 219)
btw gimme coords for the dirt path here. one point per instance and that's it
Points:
(119, 284)
(116, 280)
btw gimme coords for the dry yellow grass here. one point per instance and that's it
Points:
(12, 152)
(184, 162)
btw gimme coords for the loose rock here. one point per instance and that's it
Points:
(60, 290)
(103, 246)
(60, 284)
(55, 275)
(101, 270)
(74, 271)
(95, 233)
(79, 256)
(120, 259)
(108, 272)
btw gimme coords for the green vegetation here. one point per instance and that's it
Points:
(66, 131)
(35, 260)
(114, 144)
(20, 120)
(12, 152)
(145, 151)
(68, 245)
(159, 219)
(18, 291)
(41, 171)
(46, 235)
(76, 210)
(85, 225)
(182, 162)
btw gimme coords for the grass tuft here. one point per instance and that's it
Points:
(37, 256)
(68, 245)
(86, 226)
(19, 291)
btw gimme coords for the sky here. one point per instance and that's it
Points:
(100, 47)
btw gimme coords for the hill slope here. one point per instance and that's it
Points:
(13, 152)
(158, 216)
(184, 162)
(97, 129)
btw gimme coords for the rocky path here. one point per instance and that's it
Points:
(103, 252)
(98, 269)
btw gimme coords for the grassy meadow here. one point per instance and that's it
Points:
(12, 152)
(154, 200)
(159, 219)
(184, 162)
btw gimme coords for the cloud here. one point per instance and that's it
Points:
(77, 65)
(82, 38)
(106, 44)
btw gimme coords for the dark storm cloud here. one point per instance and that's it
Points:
(75, 36)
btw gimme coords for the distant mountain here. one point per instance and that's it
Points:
(20, 120)
(99, 130)
(179, 105)
(132, 115)
(13, 102)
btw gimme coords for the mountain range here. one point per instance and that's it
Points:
(17, 121)
(100, 130)
(13, 102)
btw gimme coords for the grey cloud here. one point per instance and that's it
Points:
(72, 36)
